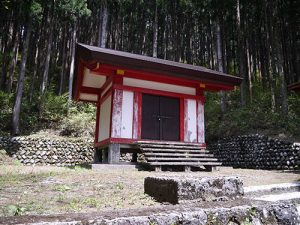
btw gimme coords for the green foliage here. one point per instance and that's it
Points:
(71, 118)
(15, 210)
(5, 4)
(73, 9)
(36, 10)
(62, 188)
(51, 111)
(53, 107)
(6, 103)
(257, 117)
(92, 202)
(80, 120)
(120, 186)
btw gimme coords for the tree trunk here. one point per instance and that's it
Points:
(270, 53)
(280, 66)
(220, 63)
(5, 62)
(34, 72)
(103, 26)
(13, 62)
(155, 32)
(240, 49)
(249, 72)
(47, 64)
(6, 37)
(62, 72)
(18, 100)
(48, 53)
(72, 66)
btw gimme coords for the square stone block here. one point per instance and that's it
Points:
(176, 189)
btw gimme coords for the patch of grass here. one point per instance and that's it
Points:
(12, 178)
(75, 204)
(17, 163)
(92, 202)
(35, 206)
(246, 222)
(15, 210)
(120, 186)
(61, 198)
(62, 188)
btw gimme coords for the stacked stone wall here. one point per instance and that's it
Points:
(44, 151)
(257, 152)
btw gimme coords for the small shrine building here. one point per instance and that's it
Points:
(142, 99)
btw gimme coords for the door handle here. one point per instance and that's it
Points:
(162, 117)
(156, 117)
(166, 117)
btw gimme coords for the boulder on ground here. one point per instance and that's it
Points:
(176, 189)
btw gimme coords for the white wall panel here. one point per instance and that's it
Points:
(190, 120)
(88, 97)
(127, 114)
(92, 80)
(159, 86)
(104, 121)
(117, 114)
(200, 122)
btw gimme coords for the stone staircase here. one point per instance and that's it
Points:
(170, 154)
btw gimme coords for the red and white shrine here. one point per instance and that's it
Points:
(144, 98)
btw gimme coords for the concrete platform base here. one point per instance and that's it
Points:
(120, 166)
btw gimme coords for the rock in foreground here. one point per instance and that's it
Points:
(176, 189)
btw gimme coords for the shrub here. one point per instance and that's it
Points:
(6, 103)
(257, 117)
(80, 121)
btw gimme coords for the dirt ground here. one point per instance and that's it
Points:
(44, 190)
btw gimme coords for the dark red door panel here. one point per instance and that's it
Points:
(169, 117)
(150, 122)
(160, 118)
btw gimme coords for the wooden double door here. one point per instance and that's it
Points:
(160, 118)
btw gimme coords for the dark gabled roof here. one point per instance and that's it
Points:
(154, 65)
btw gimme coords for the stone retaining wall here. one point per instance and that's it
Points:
(257, 152)
(266, 214)
(43, 151)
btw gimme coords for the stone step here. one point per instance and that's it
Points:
(185, 163)
(150, 149)
(173, 147)
(272, 189)
(279, 197)
(182, 159)
(184, 154)
(168, 143)
(177, 154)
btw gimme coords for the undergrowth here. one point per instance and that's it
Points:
(49, 112)
(256, 117)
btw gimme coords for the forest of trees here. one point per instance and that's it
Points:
(257, 40)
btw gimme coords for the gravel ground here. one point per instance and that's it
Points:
(44, 190)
